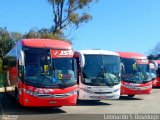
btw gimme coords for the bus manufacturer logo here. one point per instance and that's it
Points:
(100, 90)
(52, 96)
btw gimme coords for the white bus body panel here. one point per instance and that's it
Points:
(87, 92)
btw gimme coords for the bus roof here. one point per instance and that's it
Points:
(46, 43)
(98, 52)
(132, 55)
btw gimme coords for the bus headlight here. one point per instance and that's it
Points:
(116, 90)
(71, 93)
(29, 92)
(86, 90)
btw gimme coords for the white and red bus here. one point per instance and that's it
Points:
(136, 78)
(42, 72)
(158, 73)
(99, 77)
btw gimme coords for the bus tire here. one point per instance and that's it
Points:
(57, 107)
(95, 100)
(131, 96)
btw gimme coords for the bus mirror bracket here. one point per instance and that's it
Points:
(21, 58)
(81, 58)
(155, 64)
(122, 67)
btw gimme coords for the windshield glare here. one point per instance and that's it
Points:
(135, 73)
(43, 71)
(101, 70)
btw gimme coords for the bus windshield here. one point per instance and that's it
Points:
(43, 71)
(101, 70)
(135, 73)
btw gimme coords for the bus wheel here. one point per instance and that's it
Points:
(131, 96)
(57, 107)
(95, 100)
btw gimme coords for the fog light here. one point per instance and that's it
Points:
(27, 101)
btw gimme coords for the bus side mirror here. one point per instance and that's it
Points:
(155, 64)
(122, 67)
(81, 58)
(21, 58)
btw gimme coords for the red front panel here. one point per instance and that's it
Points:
(154, 83)
(133, 89)
(43, 97)
(158, 82)
(29, 100)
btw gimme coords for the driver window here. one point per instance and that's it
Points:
(44, 62)
(32, 67)
(134, 66)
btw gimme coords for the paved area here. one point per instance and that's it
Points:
(85, 110)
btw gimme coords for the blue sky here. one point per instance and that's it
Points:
(117, 25)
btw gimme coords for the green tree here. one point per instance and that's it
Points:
(7, 41)
(69, 13)
(0, 65)
(154, 53)
(43, 33)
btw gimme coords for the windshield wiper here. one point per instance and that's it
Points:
(62, 85)
(42, 85)
(67, 84)
(109, 76)
(37, 84)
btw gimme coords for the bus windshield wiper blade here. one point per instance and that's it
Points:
(109, 76)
